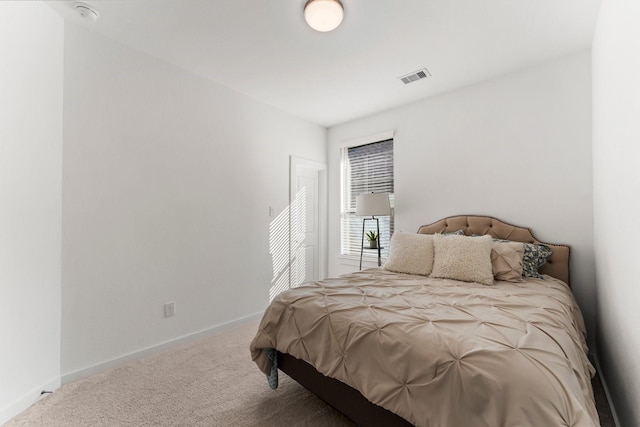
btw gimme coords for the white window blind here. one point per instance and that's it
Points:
(365, 169)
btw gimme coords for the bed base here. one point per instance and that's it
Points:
(340, 396)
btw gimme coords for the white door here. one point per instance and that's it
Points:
(307, 222)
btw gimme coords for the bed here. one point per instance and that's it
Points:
(441, 345)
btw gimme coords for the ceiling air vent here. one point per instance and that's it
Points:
(415, 76)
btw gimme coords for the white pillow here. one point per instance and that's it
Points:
(463, 258)
(410, 253)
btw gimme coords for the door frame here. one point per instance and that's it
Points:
(321, 169)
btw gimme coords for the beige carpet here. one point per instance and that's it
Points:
(211, 382)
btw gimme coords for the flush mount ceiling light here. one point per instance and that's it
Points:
(86, 11)
(323, 15)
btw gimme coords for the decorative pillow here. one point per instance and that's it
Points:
(410, 253)
(506, 260)
(462, 258)
(535, 256)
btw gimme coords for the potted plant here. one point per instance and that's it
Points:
(372, 237)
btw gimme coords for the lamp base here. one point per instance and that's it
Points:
(373, 244)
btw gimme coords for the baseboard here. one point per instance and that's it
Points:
(606, 391)
(149, 351)
(27, 400)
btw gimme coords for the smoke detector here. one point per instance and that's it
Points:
(86, 12)
(415, 76)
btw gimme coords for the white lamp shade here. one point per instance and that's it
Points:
(323, 15)
(373, 204)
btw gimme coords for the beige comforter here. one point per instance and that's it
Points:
(441, 352)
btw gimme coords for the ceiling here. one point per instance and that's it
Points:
(264, 49)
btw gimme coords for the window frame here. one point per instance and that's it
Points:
(368, 256)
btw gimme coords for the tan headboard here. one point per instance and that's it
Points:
(557, 264)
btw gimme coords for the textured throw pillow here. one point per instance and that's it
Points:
(535, 255)
(410, 253)
(507, 261)
(462, 258)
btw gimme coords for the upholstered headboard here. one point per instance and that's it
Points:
(557, 264)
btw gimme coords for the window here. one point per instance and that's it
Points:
(365, 169)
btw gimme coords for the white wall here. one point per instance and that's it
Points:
(31, 47)
(616, 179)
(516, 147)
(167, 184)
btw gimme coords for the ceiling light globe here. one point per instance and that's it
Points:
(323, 15)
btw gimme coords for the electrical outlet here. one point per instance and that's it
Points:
(169, 309)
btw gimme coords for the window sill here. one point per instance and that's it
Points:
(355, 260)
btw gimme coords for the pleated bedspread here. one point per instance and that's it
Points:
(441, 352)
